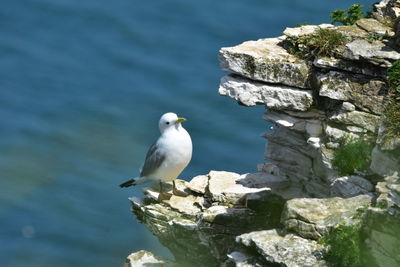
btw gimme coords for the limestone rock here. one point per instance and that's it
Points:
(199, 184)
(374, 26)
(312, 217)
(223, 188)
(363, 120)
(305, 30)
(384, 163)
(365, 93)
(387, 12)
(352, 32)
(335, 135)
(313, 127)
(382, 224)
(278, 97)
(210, 222)
(340, 64)
(350, 186)
(146, 258)
(376, 53)
(265, 60)
(284, 249)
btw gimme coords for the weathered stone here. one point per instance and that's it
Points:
(223, 188)
(278, 97)
(363, 120)
(390, 144)
(313, 217)
(199, 184)
(350, 186)
(284, 249)
(243, 259)
(376, 52)
(382, 224)
(352, 32)
(265, 60)
(336, 135)
(389, 194)
(387, 12)
(146, 258)
(384, 163)
(346, 106)
(312, 127)
(365, 93)
(350, 66)
(305, 29)
(374, 26)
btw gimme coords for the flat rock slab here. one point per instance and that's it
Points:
(365, 93)
(374, 26)
(363, 120)
(224, 188)
(350, 186)
(313, 217)
(277, 97)
(375, 52)
(265, 60)
(146, 258)
(284, 249)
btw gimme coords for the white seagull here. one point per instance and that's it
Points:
(168, 156)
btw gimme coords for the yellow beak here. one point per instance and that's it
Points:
(179, 120)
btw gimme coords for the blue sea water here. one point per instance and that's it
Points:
(82, 86)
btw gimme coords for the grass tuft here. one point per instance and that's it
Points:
(322, 42)
(352, 155)
(344, 246)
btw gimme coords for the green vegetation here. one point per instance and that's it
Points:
(349, 16)
(373, 36)
(392, 112)
(392, 120)
(344, 243)
(352, 155)
(394, 78)
(321, 43)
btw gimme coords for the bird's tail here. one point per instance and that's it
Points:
(128, 183)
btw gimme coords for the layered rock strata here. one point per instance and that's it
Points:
(276, 216)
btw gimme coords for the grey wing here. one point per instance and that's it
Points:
(154, 159)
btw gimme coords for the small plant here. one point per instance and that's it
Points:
(320, 43)
(394, 78)
(392, 112)
(373, 36)
(348, 16)
(352, 155)
(392, 121)
(344, 246)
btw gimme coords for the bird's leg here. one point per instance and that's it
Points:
(163, 195)
(176, 192)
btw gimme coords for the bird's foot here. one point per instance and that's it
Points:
(179, 193)
(164, 196)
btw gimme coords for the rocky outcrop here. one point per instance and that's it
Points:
(312, 217)
(277, 216)
(278, 247)
(382, 226)
(146, 258)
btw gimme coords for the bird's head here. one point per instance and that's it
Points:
(169, 120)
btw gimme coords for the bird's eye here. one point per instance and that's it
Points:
(167, 122)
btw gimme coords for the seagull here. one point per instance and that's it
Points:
(168, 156)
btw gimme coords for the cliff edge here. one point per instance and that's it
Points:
(325, 100)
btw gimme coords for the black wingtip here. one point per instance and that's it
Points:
(128, 183)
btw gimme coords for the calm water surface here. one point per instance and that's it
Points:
(82, 86)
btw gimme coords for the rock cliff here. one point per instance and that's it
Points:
(317, 103)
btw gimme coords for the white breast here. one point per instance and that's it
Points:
(177, 146)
